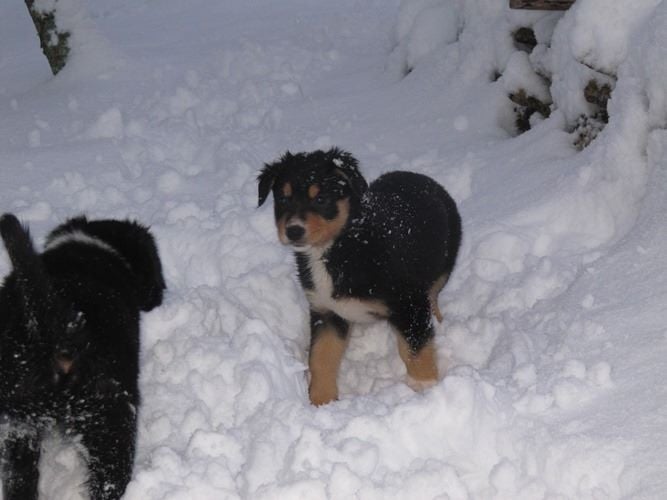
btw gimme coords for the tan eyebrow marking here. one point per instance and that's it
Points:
(287, 189)
(313, 191)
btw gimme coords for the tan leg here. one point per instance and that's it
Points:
(422, 366)
(326, 353)
(436, 288)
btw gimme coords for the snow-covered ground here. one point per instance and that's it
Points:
(555, 334)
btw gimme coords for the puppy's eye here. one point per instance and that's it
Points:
(320, 200)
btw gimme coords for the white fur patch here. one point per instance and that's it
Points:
(320, 297)
(81, 237)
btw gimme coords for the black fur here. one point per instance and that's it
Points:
(406, 234)
(69, 347)
(319, 321)
(311, 163)
(402, 234)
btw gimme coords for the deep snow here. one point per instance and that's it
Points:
(554, 336)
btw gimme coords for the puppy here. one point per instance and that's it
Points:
(364, 253)
(69, 347)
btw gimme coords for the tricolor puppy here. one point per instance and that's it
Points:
(364, 253)
(69, 347)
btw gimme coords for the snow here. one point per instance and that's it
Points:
(554, 339)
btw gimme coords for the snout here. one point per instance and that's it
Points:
(295, 233)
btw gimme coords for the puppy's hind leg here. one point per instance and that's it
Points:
(412, 319)
(421, 366)
(329, 339)
(20, 459)
(433, 293)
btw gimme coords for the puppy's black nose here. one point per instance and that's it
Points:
(295, 233)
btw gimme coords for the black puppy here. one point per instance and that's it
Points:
(69, 347)
(364, 253)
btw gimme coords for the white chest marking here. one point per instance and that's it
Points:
(321, 299)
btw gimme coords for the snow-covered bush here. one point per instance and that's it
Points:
(572, 65)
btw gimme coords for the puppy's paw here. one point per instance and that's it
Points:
(322, 395)
(420, 385)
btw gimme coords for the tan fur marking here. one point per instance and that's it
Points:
(287, 189)
(324, 360)
(64, 363)
(313, 191)
(281, 226)
(421, 366)
(433, 295)
(320, 231)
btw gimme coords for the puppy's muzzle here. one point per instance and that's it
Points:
(295, 234)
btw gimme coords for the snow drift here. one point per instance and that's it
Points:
(554, 317)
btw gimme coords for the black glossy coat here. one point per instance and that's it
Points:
(403, 235)
(69, 347)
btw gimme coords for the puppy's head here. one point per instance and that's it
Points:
(314, 195)
(70, 347)
(49, 322)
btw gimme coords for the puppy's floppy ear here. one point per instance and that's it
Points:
(268, 175)
(347, 167)
(31, 279)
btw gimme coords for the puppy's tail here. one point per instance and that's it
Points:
(31, 278)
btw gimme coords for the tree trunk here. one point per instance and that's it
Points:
(53, 41)
(541, 4)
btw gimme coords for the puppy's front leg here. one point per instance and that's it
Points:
(412, 319)
(329, 335)
(109, 435)
(20, 458)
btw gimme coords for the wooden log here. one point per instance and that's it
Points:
(541, 4)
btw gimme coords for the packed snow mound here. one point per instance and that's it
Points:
(554, 325)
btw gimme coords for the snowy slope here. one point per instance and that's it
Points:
(554, 336)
